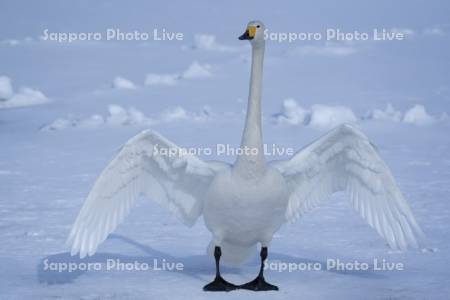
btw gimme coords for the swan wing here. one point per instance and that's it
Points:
(150, 165)
(345, 160)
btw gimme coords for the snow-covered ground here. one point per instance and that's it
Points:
(65, 109)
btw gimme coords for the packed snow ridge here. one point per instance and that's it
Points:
(17, 42)
(318, 116)
(417, 115)
(208, 42)
(119, 116)
(326, 117)
(195, 71)
(328, 49)
(122, 83)
(24, 97)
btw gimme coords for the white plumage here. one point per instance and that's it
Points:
(246, 203)
(345, 160)
(142, 166)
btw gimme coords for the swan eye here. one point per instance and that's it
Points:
(257, 26)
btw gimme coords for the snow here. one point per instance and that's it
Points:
(292, 113)
(208, 42)
(197, 70)
(435, 30)
(388, 114)
(123, 83)
(161, 79)
(120, 116)
(50, 190)
(91, 122)
(45, 175)
(318, 116)
(404, 31)
(177, 113)
(328, 49)
(327, 117)
(194, 71)
(24, 97)
(6, 90)
(418, 115)
(17, 42)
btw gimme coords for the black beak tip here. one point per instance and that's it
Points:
(245, 36)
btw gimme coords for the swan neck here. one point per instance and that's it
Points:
(252, 158)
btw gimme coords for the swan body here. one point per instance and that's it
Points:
(246, 203)
(241, 212)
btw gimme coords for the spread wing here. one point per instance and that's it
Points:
(147, 164)
(345, 160)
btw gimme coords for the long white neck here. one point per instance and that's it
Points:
(253, 163)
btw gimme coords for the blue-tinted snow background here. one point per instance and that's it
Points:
(65, 109)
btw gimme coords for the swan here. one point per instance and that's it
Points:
(244, 204)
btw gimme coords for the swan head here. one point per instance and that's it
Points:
(254, 33)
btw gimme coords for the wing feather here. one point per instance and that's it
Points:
(345, 160)
(147, 164)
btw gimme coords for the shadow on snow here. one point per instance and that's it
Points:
(194, 266)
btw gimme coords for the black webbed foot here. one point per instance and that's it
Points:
(219, 285)
(259, 284)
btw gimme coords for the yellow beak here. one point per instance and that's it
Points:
(251, 31)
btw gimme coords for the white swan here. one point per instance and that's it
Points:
(246, 203)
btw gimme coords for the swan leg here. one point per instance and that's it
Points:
(219, 284)
(259, 283)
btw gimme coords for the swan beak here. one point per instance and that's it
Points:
(249, 34)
